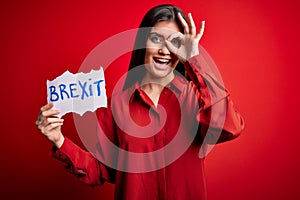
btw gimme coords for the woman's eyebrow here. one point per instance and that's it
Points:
(155, 33)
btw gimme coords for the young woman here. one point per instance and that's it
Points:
(159, 122)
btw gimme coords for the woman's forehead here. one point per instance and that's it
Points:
(165, 28)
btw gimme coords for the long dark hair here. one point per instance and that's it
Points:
(164, 12)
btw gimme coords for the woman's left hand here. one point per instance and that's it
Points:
(189, 41)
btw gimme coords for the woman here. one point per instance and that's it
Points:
(159, 115)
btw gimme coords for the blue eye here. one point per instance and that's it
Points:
(176, 42)
(156, 39)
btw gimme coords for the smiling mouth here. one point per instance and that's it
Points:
(162, 60)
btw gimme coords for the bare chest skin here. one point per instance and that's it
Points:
(154, 86)
(153, 92)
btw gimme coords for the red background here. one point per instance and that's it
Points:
(254, 43)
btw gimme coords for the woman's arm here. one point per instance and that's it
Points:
(82, 164)
(217, 116)
(78, 161)
(218, 119)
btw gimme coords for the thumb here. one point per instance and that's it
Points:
(171, 47)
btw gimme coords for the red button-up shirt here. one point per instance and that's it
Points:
(174, 173)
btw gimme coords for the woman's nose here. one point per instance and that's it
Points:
(164, 50)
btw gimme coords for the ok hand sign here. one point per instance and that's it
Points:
(189, 40)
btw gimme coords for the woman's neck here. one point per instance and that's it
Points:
(157, 82)
(154, 86)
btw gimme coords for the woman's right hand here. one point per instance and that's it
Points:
(50, 125)
(189, 41)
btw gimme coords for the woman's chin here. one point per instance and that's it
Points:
(163, 66)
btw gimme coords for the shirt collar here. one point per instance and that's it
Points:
(177, 85)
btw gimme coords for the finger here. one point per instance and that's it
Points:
(52, 126)
(177, 35)
(171, 47)
(201, 32)
(45, 122)
(49, 113)
(184, 24)
(53, 120)
(47, 107)
(48, 117)
(176, 51)
(192, 25)
(41, 127)
(44, 108)
(37, 122)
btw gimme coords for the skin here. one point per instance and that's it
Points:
(157, 76)
(155, 70)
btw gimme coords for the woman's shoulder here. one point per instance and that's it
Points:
(182, 83)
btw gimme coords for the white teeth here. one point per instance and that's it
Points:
(162, 60)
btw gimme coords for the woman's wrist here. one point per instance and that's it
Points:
(194, 51)
(60, 141)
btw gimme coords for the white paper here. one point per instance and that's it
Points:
(77, 93)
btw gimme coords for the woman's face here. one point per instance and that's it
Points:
(159, 61)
